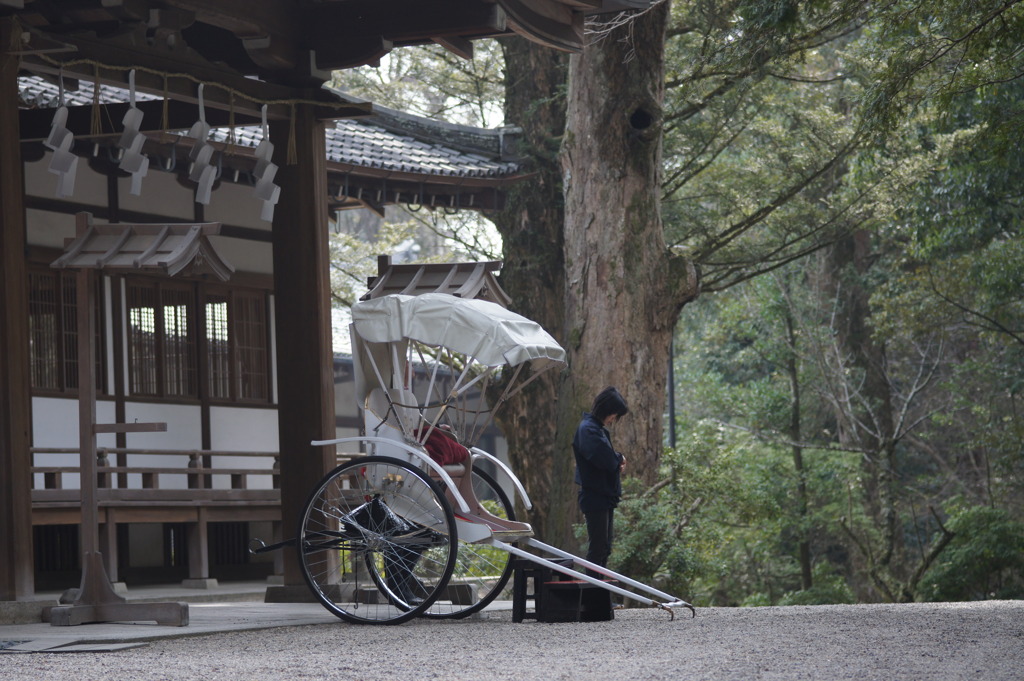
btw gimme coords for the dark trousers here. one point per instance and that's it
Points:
(599, 531)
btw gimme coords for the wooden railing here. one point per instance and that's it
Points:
(120, 484)
(134, 493)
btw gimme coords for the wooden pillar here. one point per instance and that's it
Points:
(108, 546)
(305, 367)
(16, 571)
(198, 538)
(85, 313)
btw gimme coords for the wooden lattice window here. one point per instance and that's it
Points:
(218, 346)
(237, 346)
(53, 332)
(161, 340)
(253, 354)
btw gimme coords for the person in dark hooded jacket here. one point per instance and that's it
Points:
(599, 471)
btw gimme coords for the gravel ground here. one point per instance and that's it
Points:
(928, 642)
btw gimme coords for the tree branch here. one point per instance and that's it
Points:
(739, 228)
(936, 549)
(995, 324)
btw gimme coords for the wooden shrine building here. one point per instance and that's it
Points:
(226, 120)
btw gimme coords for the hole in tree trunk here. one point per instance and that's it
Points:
(641, 120)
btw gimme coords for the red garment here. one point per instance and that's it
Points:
(444, 449)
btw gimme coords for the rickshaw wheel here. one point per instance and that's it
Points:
(377, 541)
(481, 571)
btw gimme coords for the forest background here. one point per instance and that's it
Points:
(804, 219)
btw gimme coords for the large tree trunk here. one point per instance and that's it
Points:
(868, 422)
(624, 289)
(531, 230)
(792, 365)
(594, 271)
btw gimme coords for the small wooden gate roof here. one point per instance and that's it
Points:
(168, 248)
(470, 280)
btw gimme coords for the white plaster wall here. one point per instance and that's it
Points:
(184, 431)
(49, 230)
(346, 432)
(161, 194)
(345, 400)
(235, 204)
(183, 425)
(238, 429)
(90, 187)
(55, 424)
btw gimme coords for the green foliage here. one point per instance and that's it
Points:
(787, 127)
(432, 82)
(721, 524)
(984, 560)
(934, 52)
(354, 259)
(757, 129)
(660, 532)
(829, 588)
(965, 439)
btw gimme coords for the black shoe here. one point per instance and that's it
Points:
(408, 589)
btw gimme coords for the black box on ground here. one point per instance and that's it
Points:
(556, 596)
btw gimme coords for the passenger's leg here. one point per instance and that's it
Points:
(465, 486)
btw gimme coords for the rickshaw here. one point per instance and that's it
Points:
(419, 521)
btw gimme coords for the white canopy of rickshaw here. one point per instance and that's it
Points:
(479, 329)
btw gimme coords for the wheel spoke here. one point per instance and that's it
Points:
(376, 541)
(481, 572)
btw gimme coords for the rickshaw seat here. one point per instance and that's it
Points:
(443, 447)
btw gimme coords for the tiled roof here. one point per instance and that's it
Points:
(381, 142)
(361, 143)
(36, 93)
(471, 280)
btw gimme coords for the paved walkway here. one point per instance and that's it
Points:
(230, 606)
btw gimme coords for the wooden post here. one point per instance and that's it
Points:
(197, 536)
(16, 568)
(108, 546)
(303, 318)
(90, 530)
(97, 601)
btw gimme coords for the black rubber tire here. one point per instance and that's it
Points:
(384, 517)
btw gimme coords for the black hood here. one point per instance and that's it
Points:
(608, 402)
